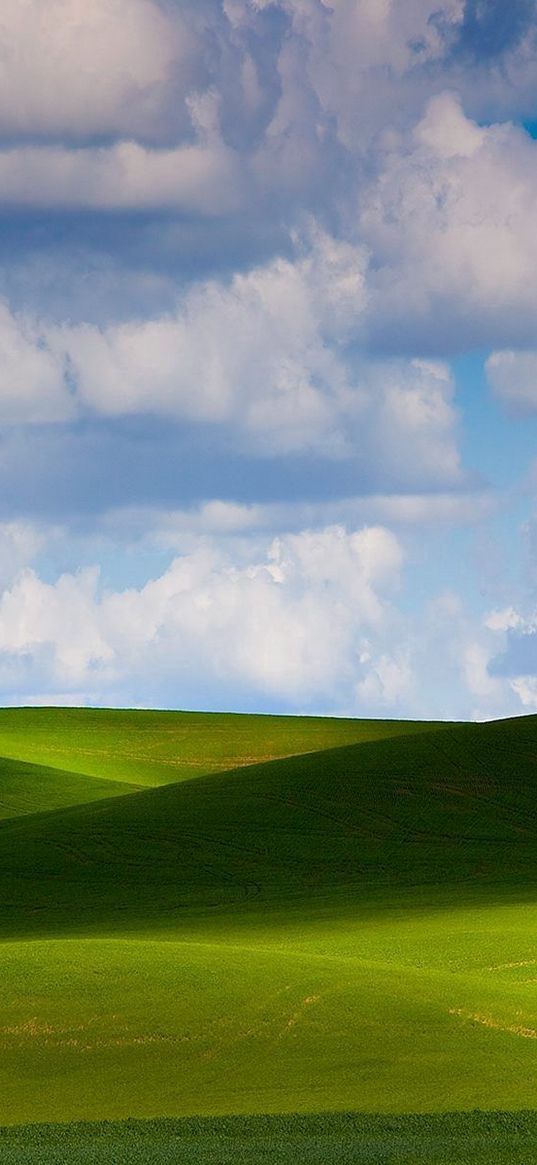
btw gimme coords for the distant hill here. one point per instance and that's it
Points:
(156, 748)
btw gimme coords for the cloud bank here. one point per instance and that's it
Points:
(259, 260)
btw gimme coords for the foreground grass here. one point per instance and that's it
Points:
(428, 1011)
(346, 1139)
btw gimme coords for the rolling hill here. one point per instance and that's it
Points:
(257, 915)
(156, 748)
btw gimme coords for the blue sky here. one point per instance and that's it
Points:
(268, 355)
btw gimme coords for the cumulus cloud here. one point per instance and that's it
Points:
(179, 335)
(268, 356)
(284, 68)
(291, 624)
(525, 688)
(447, 222)
(292, 105)
(362, 70)
(368, 65)
(519, 657)
(35, 615)
(388, 680)
(306, 621)
(262, 351)
(305, 94)
(356, 58)
(83, 70)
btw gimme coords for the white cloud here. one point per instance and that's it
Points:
(451, 653)
(363, 70)
(261, 351)
(388, 681)
(365, 111)
(125, 176)
(312, 620)
(525, 688)
(483, 686)
(20, 543)
(432, 509)
(361, 59)
(176, 528)
(505, 620)
(60, 617)
(446, 132)
(325, 78)
(289, 624)
(84, 69)
(447, 221)
(33, 388)
(268, 355)
(416, 418)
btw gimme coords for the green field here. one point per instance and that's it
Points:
(228, 925)
(325, 1139)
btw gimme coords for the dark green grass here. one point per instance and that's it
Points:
(491, 1138)
(34, 788)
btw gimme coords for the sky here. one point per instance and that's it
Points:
(268, 355)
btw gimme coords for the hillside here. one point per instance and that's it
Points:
(156, 748)
(454, 805)
(34, 788)
(349, 929)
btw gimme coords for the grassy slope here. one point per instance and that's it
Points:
(354, 929)
(155, 748)
(457, 805)
(51, 758)
(34, 788)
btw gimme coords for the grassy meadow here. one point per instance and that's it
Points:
(217, 928)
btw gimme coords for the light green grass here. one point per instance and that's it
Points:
(354, 1017)
(351, 929)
